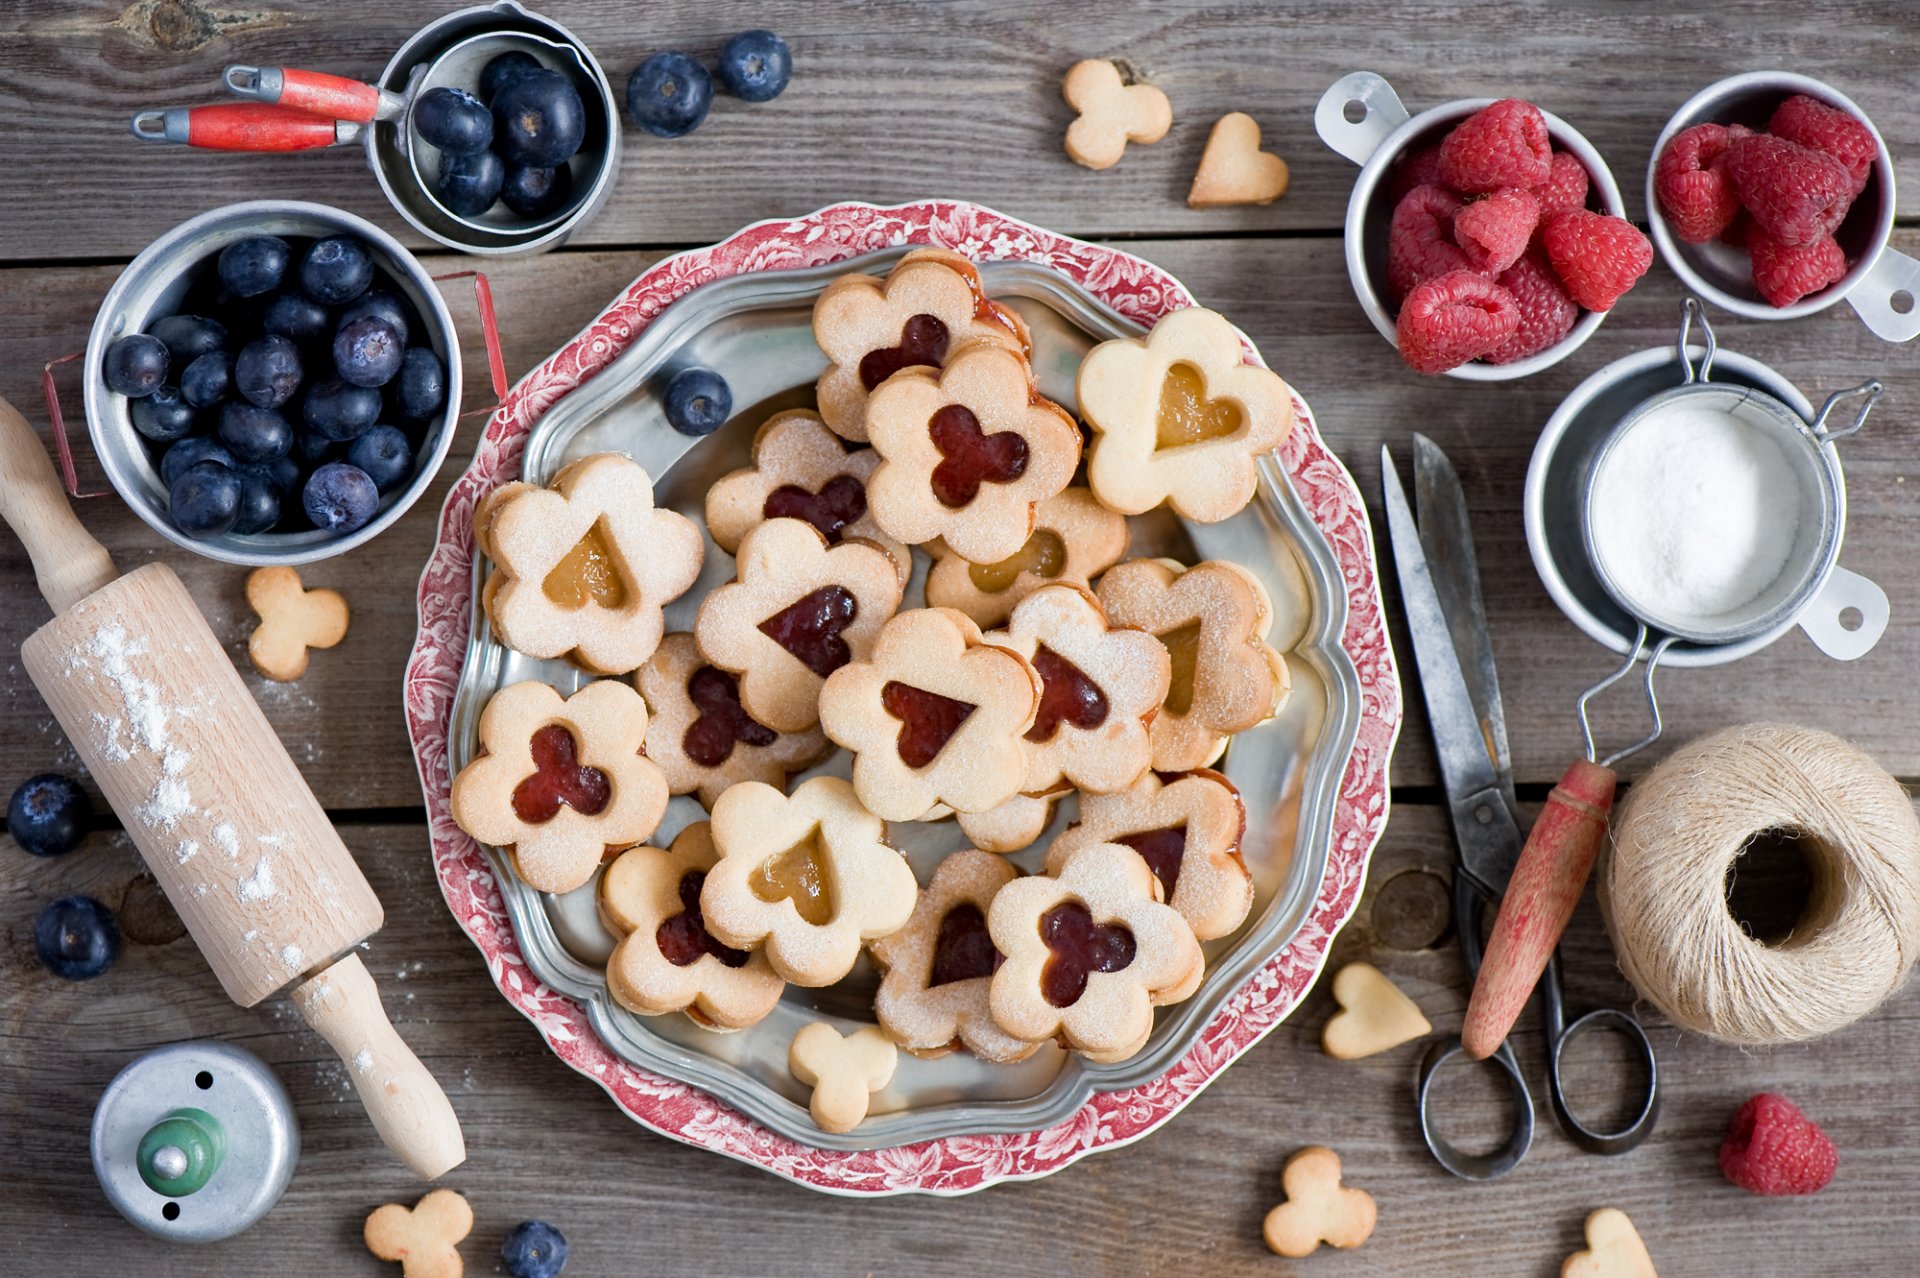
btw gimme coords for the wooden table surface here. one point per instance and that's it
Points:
(892, 102)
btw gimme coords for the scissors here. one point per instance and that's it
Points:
(1446, 621)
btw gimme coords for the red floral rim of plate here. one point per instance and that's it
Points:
(1136, 289)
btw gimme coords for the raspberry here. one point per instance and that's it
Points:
(1493, 232)
(1694, 191)
(1795, 193)
(1784, 274)
(1420, 240)
(1597, 257)
(1505, 144)
(1547, 314)
(1812, 123)
(1453, 319)
(1772, 1148)
(1565, 187)
(1417, 168)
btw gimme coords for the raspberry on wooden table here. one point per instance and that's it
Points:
(1795, 193)
(1459, 317)
(1547, 314)
(1812, 123)
(1693, 188)
(1494, 232)
(1565, 187)
(1597, 257)
(1785, 273)
(1420, 239)
(1505, 144)
(1773, 1149)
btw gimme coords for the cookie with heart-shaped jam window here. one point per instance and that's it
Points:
(1090, 953)
(1074, 540)
(796, 611)
(561, 782)
(666, 960)
(967, 453)
(809, 874)
(800, 470)
(933, 997)
(703, 738)
(1012, 825)
(1188, 829)
(929, 306)
(1179, 418)
(1214, 619)
(934, 717)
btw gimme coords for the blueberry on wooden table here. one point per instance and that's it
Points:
(534, 1249)
(76, 938)
(254, 265)
(188, 337)
(48, 814)
(422, 385)
(163, 416)
(188, 453)
(340, 497)
(453, 120)
(338, 410)
(469, 184)
(538, 119)
(336, 270)
(135, 365)
(535, 192)
(755, 66)
(268, 371)
(385, 455)
(205, 500)
(254, 434)
(206, 381)
(502, 69)
(698, 401)
(668, 95)
(292, 314)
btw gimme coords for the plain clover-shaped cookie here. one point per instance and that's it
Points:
(844, 1073)
(1614, 1249)
(1009, 826)
(929, 306)
(938, 967)
(1090, 953)
(967, 453)
(666, 960)
(560, 782)
(1112, 113)
(933, 717)
(1375, 1015)
(1074, 540)
(1100, 685)
(702, 737)
(584, 568)
(1318, 1209)
(425, 1237)
(1188, 829)
(809, 874)
(1179, 419)
(292, 620)
(1214, 619)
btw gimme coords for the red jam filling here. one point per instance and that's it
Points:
(1067, 696)
(923, 342)
(559, 780)
(810, 627)
(963, 950)
(1080, 946)
(969, 458)
(722, 722)
(928, 720)
(1162, 850)
(842, 501)
(684, 937)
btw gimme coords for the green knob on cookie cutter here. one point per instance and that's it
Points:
(180, 1153)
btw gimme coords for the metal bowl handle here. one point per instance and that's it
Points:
(1870, 389)
(1692, 312)
(1846, 591)
(1894, 275)
(1381, 109)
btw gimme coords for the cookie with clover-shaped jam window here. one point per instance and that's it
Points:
(933, 997)
(967, 452)
(560, 782)
(800, 470)
(1090, 953)
(1100, 686)
(703, 738)
(934, 717)
(1214, 619)
(796, 611)
(1074, 540)
(1012, 825)
(1188, 829)
(929, 306)
(582, 570)
(1179, 418)
(666, 960)
(809, 875)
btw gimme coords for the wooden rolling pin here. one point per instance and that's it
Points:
(226, 823)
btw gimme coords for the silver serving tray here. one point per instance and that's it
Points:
(756, 331)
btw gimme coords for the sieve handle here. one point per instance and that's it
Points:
(333, 96)
(242, 126)
(1381, 113)
(1843, 592)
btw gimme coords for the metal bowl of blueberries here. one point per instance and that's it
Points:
(272, 382)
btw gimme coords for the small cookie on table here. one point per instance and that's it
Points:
(1318, 1209)
(1112, 112)
(1375, 1015)
(425, 1237)
(1074, 540)
(844, 1073)
(292, 620)
(1234, 170)
(1614, 1249)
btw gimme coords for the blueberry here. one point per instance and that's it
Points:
(504, 69)
(755, 66)
(254, 265)
(190, 452)
(259, 502)
(532, 192)
(336, 270)
(163, 416)
(283, 473)
(267, 371)
(338, 410)
(385, 455)
(668, 95)
(76, 938)
(207, 380)
(135, 365)
(698, 401)
(538, 119)
(188, 337)
(453, 120)
(48, 814)
(469, 184)
(384, 304)
(422, 385)
(292, 314)
(340, 497)
(368, 351)
(254, 434)
(312, 448)
(534, 1249)
(205, 500)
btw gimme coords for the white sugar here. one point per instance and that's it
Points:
(169, 801)
(229, 841)
(363, 1061)
(293, 958)
(187, 850)
(258, 886)
(141, 697)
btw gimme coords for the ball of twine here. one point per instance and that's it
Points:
(1662, 885)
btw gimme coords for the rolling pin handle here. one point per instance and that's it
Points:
(67, 561)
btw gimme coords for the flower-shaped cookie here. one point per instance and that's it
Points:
(584, 569)
(934, 717)
(561, 782)
(929, 306)
(1089, 954)
(1187, 828)
(933, 997)
(796, 611)
(666, 960)
(1213, 619)
(1010, 826)
(1074, 540)
(1178, 418)
(968, 453)
(800, 470)
(1100, 685)
(810, 874)
(703, 738)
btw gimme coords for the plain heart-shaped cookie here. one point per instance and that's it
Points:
(1233, 168)
(1374, 1015)
(1614, 1249)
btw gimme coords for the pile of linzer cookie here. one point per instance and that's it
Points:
(1045, 662)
